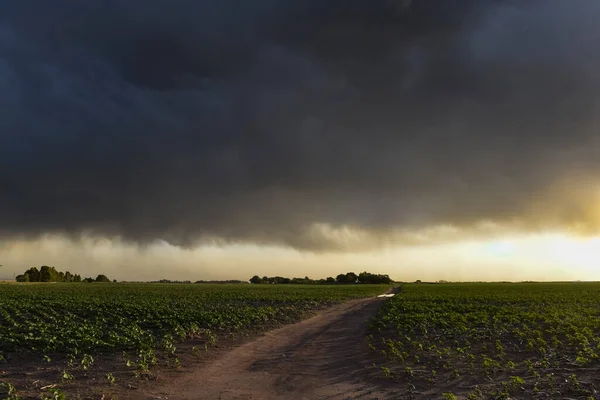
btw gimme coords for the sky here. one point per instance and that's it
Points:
(426, 139)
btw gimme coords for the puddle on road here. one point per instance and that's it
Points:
(386, 295)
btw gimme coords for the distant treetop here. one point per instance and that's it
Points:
(50, 274)
(346, 279)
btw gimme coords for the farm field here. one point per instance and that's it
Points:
(429, 341)
(54, 336)
(491, 341)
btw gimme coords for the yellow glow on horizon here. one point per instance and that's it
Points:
(512, 257)
(576, 254)
(573, 251)
(503, 248)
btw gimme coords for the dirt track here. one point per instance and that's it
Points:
(324, 357)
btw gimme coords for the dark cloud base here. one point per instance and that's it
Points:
(253, 121)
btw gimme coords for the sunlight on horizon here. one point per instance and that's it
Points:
(583, 252)
(543, 257)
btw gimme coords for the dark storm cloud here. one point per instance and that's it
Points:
(253, 121)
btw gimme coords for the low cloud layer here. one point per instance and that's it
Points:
(286, 123)
(529, 257)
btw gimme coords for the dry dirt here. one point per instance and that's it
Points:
(324, 357)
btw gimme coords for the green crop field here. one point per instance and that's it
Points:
(498, 341)
(77, 333)
(101, 318)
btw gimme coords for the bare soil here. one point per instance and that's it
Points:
(324, 357)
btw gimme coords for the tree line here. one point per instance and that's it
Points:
(231, 281)
(50, 274)
(346, 279)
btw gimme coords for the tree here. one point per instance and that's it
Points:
(303, 281)
(33, 275)
(346, 278)
(102, 278)
(45, 274)
(374, 279)
(49, 274)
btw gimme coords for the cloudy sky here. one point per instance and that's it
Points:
(427, 139)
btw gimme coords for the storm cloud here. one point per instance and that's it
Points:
(288, 123)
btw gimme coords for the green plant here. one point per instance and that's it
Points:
(87, 361)
(386, 371)
(516, 382)
(455, 374)
(433, 377)
(574, 382)
(72, 359)
(196, 351)
(55, 394)
(67, 376)
(10, 391)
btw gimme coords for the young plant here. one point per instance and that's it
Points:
(67, 376)
(10, 391)
(110, 378)
(55, 394)
(386, 371)
(87, 361)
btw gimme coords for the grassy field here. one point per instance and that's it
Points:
(492, 341)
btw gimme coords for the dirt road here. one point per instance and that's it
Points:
(324, 357)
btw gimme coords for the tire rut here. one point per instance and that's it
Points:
(324, 357)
